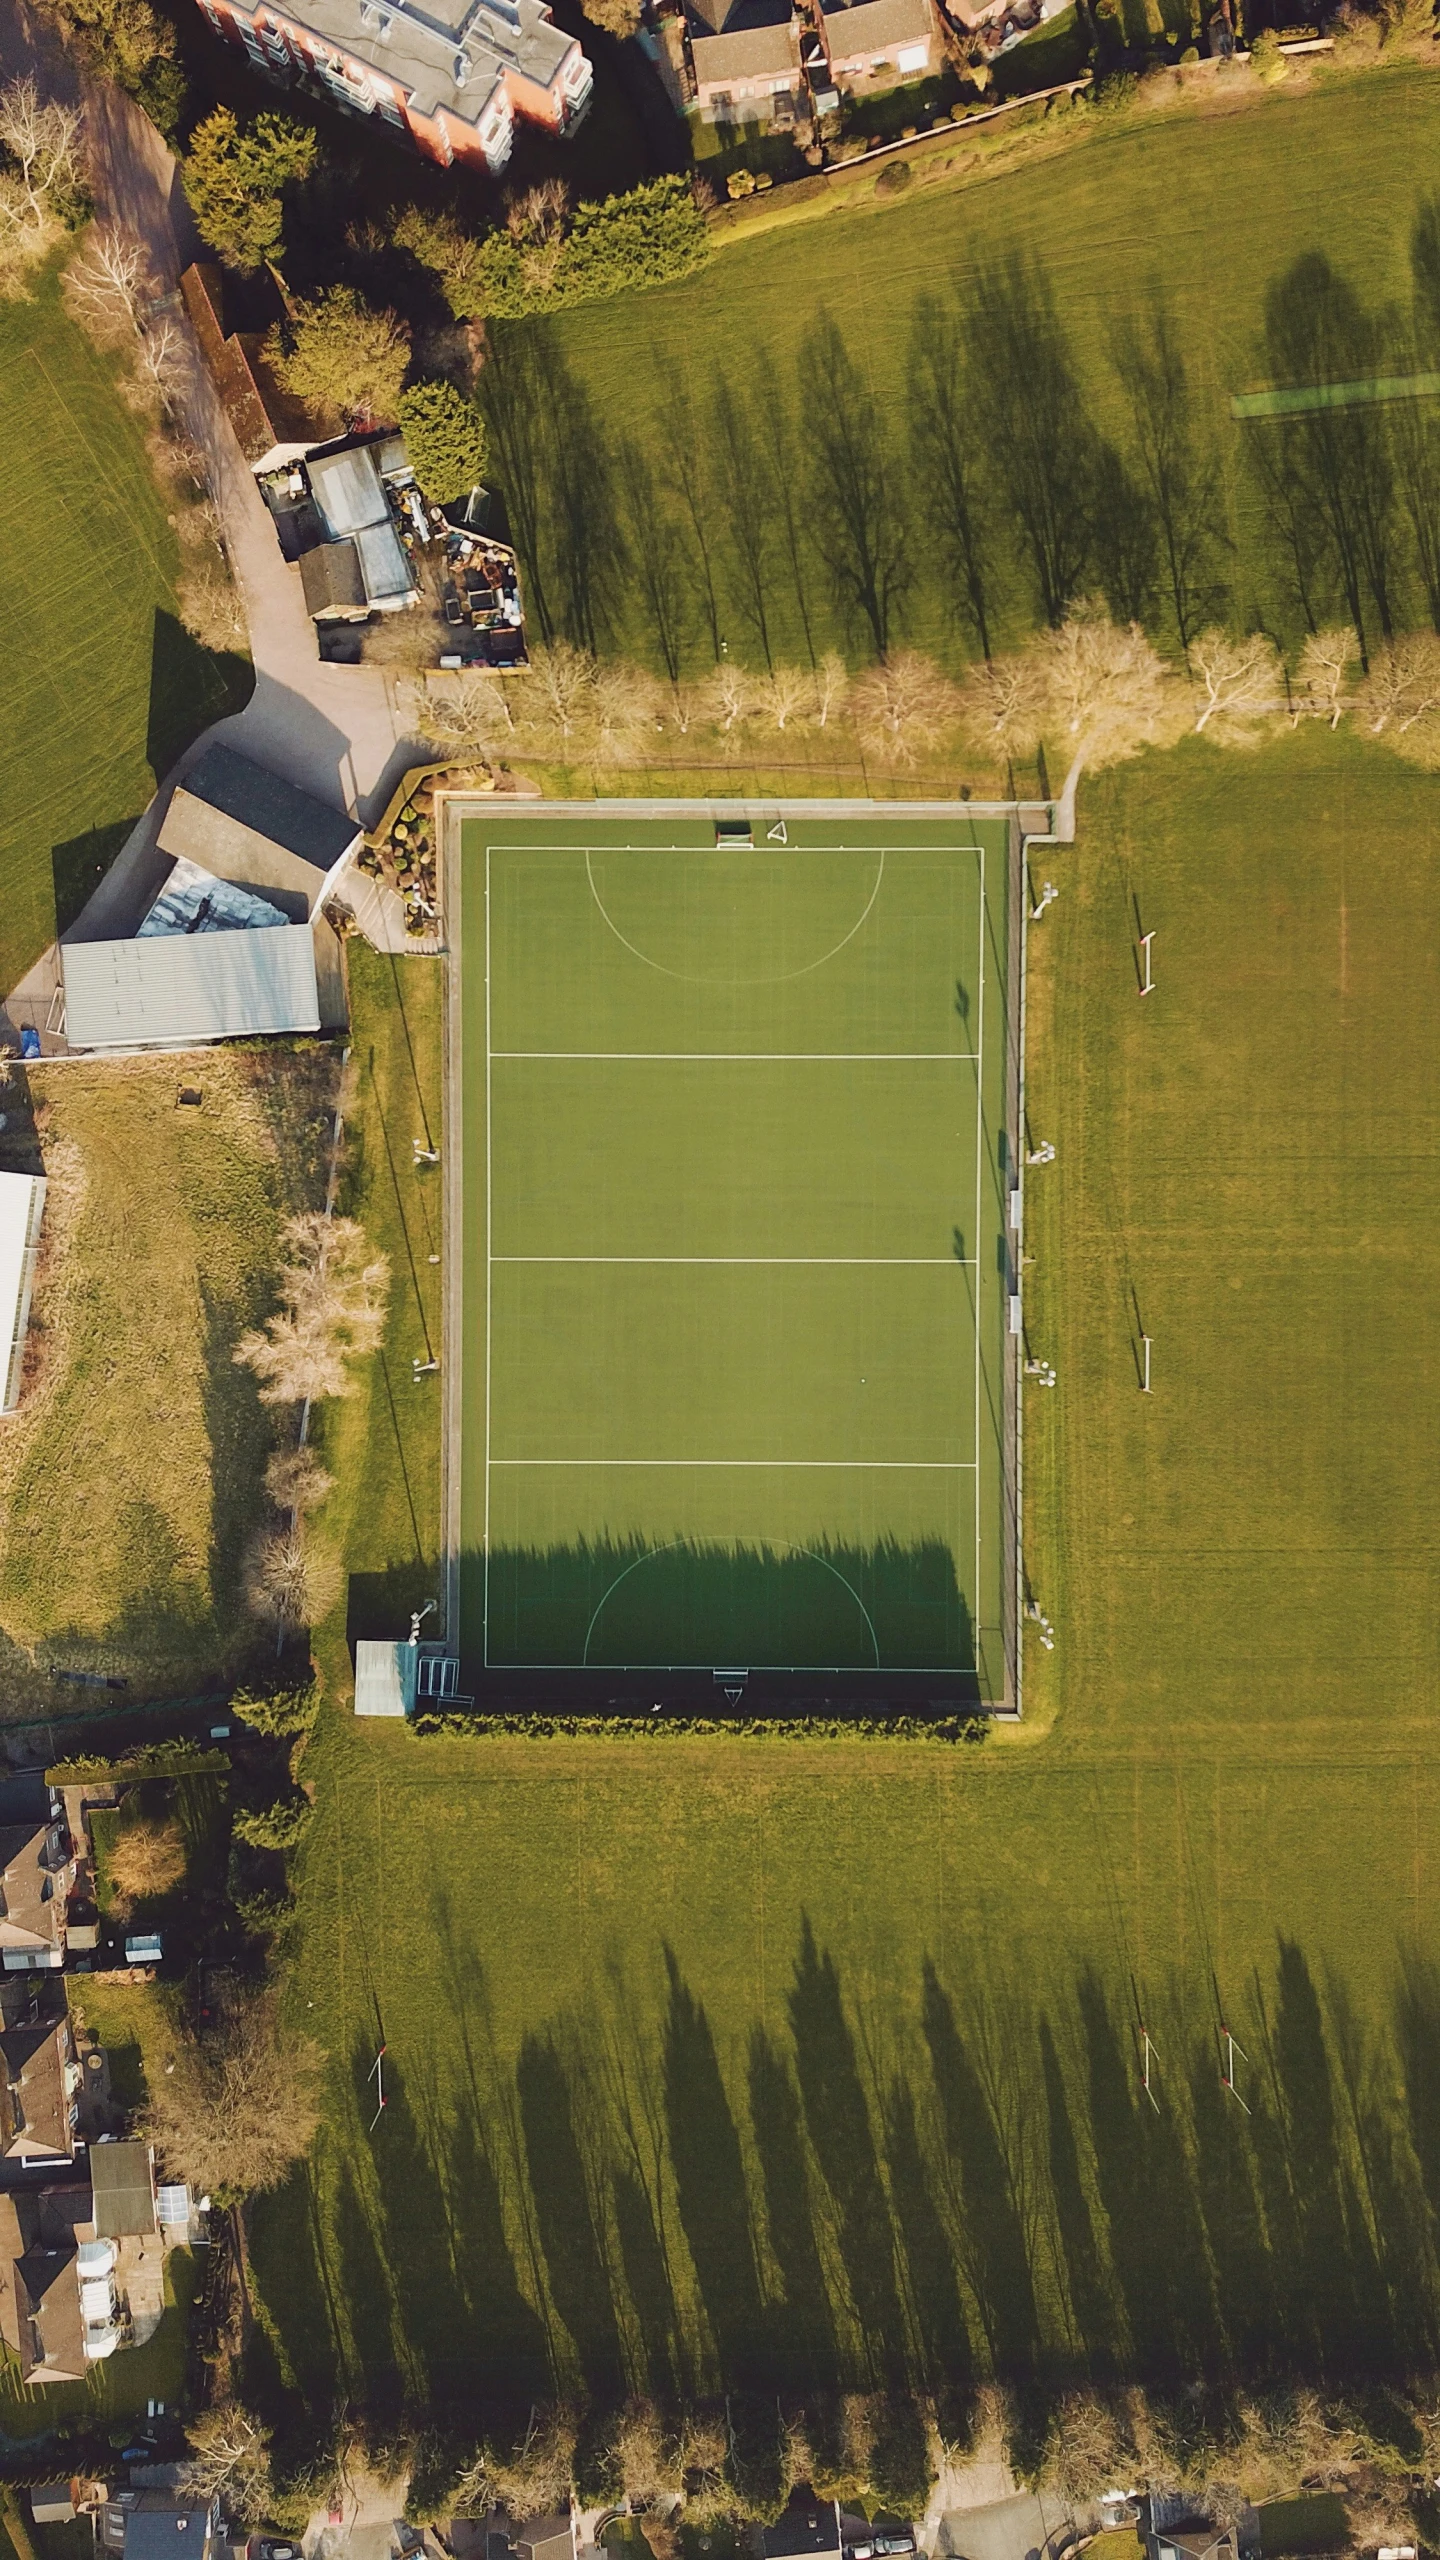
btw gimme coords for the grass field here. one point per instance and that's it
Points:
(781, 2066)
(1121, 206)
(100, 685)
(734, 1257)
(130, 1479)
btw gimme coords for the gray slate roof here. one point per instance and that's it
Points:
(419, 42)
(747, 53)
(120, 2172)
(876, 26)
(331, 579)
(270, 806)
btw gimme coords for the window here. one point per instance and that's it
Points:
(881, 62)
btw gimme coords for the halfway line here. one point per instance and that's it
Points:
(763, 1261)
(931, 1466)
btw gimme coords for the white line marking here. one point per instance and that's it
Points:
(489, 1292)
(756, 1057)
(979, 1163)
(760, 1261)
(675, 1545)
(901, 1466)
(697, 977)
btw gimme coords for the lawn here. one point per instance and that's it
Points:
(1122, 207)
(783, 2066)
(734, 1259)
(100, 685)
(130, 1482)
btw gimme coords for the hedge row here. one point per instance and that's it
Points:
(650, 236)
(152, 1760)
(547, 1728)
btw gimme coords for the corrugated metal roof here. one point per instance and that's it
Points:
(176, 988)
(346, 489)
(385, 1676)
(382, 562)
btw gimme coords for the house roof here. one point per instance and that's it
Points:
(875, 26)
(424, 44)
(161, 2526)
(31, 1858)
(385, 1678)
(122, 2182)
(22, 1202)
(747, 53)
(51, 2325)
(261, 411)
(265, 804)
(801, 2530)
(34, 2102)
(330, 578)
(544, 2537)
(175, 989)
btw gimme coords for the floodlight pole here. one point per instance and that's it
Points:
(1147, 2049)
(1147, 987)
(378, 2076)
(1227, 2076)
(1145, 1342)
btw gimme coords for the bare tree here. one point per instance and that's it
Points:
(230, 2460)
(1182, 483)
(333, 1294)
(858, 501)
(295, 1480)
(731, 697)
(1238, 683)
(558, 704)
(623, 707)
(1322, 678)
(162, 360)
(1106, 689)
(832, 687)
(786, 696)
(1003, 705)
(948, 455)
(235, 2113)
(212, 608)
(903, 706)
(287, 1586)
(1400, 690)
(146, 1858)
(465, 712)
(536, 2476)
(41, 141)
(110, 279)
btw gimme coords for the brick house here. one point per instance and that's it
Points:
(746, 67)
(451, 74)
(872, 44)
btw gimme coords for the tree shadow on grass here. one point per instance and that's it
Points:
(711, 2185)
(805, 2350)
(79, 866)
(566, 2217)
(997, 2249)
(837, 2118)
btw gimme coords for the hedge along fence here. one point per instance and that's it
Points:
(678, 1726)
(155, 1760)
(653, 235)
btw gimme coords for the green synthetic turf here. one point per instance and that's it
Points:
(733, 1229)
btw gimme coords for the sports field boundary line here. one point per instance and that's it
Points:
(1038, 818)
(755, 1261)
(860, 1466)
(750, 1057)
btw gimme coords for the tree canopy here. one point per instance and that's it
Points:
(445, 437)
(235, 177)
(343, 356)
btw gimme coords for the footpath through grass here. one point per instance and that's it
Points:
(779, 2067)
(100, 684)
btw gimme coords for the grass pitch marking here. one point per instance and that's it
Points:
(675, 1546)
(690, 977)
(975, 1057)
(762, 1261)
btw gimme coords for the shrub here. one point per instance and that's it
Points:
(146, 1859)
(894, 178)
(279, 1712)
(281, 1825)
(445, 438)
(346, 359)
(1114, 91)
(653, 234)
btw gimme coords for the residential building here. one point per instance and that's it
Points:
(36, 1873)
(808, 2530)
(1172, 2528)
(39, 2078)
(42, 2319)
(159, 2524)
(745, 61)
(22, 1206)
(451, 74)
(872, 44)
(232, 943)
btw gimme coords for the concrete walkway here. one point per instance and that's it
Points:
(335, 731)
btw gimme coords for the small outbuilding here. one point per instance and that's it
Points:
(386, 1678)
(122, 2185)
(178, 991)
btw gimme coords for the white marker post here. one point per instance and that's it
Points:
(1147, 2049)
(1227, 2076)
(1145, 1340)
(1148, 983)
(378, 2076)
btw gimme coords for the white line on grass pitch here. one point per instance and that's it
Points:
(760, 1261)
(899, 1466)
(755, 1057)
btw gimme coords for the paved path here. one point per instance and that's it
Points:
(337, 731)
